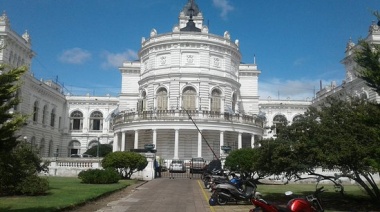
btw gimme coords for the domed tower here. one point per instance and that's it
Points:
(185, 93)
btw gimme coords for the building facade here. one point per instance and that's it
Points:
(189, 94)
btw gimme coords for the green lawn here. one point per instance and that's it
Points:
(354, 197)
(64, 192)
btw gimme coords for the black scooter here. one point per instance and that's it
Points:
(234, 180)
(208, 177)
(227, 192)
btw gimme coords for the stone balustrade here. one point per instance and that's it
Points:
(199, 116)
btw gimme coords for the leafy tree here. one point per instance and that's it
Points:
(367, 57)
(18, 164)
(104, 149)
(126, 163)
(242, 161)
(338, 134)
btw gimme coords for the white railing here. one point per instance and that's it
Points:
(170, 115)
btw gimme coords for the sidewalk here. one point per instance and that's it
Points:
(170, 195)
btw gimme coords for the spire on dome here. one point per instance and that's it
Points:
(191, 10)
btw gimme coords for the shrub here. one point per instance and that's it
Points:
(99, 176)
(33, 185)
(126, 163)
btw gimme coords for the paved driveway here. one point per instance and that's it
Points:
(170, 195)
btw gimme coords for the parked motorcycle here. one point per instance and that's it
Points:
(227, 192)
(208, 177)
(310, 203)
(233, 180)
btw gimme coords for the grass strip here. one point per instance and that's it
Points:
(64, 192)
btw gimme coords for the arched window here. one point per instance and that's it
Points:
(42, 147)
(279, 120)
(52, 118)
(234, 101)
(35, 111)
(162, 99)
(74, 147)
(297, 118)
(44, 114)
(96, 121)
(76, 120)
(216, 100)
(188, 98)
(141, 104)
(93, 143)
(364, 95)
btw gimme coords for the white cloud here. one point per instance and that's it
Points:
(75, 56)
(113, 60)
(284, 89)
(224, 5)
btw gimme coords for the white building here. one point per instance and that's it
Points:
(188, 71)
(183, 74)
(58, 123)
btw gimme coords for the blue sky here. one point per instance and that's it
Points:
(297, 43)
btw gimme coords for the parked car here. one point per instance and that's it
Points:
(80, 156)
(163, 168)
(177, 166)
(197, 165)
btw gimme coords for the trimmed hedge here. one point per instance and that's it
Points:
(99, 176)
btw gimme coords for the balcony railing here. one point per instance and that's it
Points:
(171, 115)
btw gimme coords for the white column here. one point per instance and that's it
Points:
(123, 141)
(252, 141)
(221, 142)
(199, 144)
(155, 138)
(136, 145)
(239, 141)
(115, 146)
(176, 143)
(221, 138)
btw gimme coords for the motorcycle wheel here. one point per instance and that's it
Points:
(221, 200)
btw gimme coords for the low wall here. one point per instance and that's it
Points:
(70, 167)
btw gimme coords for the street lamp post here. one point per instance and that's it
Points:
(97, 148)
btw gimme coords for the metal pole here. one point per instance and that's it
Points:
(202, 135)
